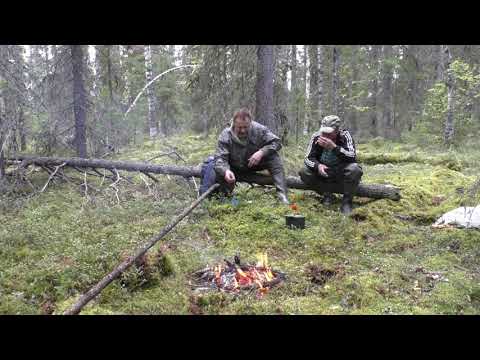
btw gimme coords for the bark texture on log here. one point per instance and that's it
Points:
(364, 190)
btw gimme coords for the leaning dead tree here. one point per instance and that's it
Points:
(373, 191)
(124, 265)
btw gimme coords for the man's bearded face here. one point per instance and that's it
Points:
(241, 127)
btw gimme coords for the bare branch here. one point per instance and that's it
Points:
(52, 175)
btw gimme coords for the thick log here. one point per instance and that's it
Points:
(364, 190)
(115, 273)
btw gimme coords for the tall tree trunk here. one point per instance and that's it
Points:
(335, 80)
(294, 93)
(413, 93)
(2, 138)
(352, 89)
(2, 160)
(321, 83)
(264, 86)
(374, 91)
(19, 100)
(449, 125)
(151, 99)
(304, 77)
(313, 119)
(439, 63)
(280, 93)
(21, 131)
(387, 92)
(79, 100)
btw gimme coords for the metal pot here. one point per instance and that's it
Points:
(295, 221)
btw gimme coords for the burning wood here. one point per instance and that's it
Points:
(235, 277)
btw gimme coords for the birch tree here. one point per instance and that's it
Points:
(449, 125)
(151, 99)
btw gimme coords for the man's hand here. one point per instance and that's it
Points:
(255, 158)
(326, 143)
(322, 170)
(229, 177)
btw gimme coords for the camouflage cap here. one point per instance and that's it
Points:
(330, 123)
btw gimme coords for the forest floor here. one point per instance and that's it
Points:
(383, 259)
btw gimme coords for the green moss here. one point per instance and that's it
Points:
(166, 265)
(58, 244)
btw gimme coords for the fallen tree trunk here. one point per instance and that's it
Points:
(94, 291)
(364, 190)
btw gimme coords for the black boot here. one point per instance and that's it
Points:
(328, 199)
(347, 205)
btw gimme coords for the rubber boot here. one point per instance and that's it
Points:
(283, 198)
(347, 204)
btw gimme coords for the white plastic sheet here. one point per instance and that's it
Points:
(465, 217)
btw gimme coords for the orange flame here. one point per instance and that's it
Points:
(294, 207)
(257, 275)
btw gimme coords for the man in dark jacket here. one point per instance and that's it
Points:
(330, 157)
(246, 147)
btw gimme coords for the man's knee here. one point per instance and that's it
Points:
(307, 176)
(353, 171)
(273, 163)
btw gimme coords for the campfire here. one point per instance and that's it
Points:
(237, 277)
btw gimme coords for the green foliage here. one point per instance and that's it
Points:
(466, 87)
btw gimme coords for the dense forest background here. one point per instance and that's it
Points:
(413, 110)
(78, 99)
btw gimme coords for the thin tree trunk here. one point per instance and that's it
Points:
(305, 75)
(321, 82)
(335, 80)
(352, 88)
(387, 91)
(313, 118)
(412, 86)
(449, 123)
(21, 131)
(439, 63)
(151, 99)
(294, 92)
(264, 85)
(2, 161)
(2, 139)
(280, 93)
(79, 100)
(374, 92)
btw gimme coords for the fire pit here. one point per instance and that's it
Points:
(235, 277)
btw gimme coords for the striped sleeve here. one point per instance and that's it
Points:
(311, 155)
(347, 150)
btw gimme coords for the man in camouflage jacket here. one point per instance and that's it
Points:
(246, 147)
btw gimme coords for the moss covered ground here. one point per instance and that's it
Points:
(383, 259)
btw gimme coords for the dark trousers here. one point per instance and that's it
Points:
(346, 176)
(272, 163)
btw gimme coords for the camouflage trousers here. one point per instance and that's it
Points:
(273, 163)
